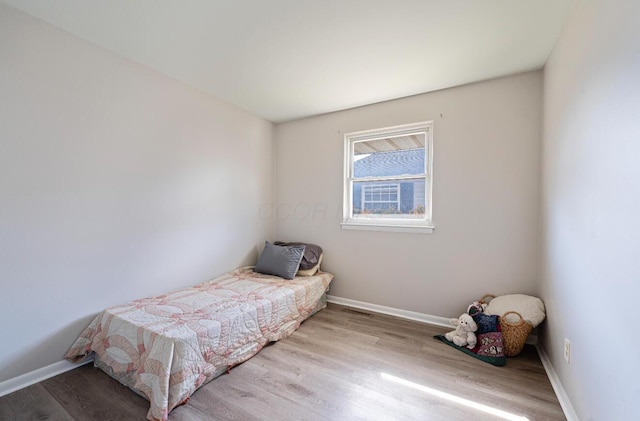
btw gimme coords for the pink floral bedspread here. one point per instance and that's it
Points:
(168, 346)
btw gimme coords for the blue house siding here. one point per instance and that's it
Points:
(406, 197)
(357, 198)
(384, 164)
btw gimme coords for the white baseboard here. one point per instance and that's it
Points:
(36, 376)
(404, 314)
(561, 394)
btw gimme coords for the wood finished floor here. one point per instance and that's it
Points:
(330, 369)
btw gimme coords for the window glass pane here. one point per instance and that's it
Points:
(399, 199)
(388, 157)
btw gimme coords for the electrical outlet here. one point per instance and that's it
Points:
(567, 351)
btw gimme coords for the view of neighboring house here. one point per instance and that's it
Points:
(402, 196)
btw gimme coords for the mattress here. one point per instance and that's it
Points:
(166, 347)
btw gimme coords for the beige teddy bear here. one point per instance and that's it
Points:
(464, 333)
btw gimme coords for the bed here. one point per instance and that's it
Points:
(166, 347)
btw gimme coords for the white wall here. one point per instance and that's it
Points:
(116, 183)
(486, 198)
(591, 204)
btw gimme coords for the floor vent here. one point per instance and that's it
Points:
(358, 312)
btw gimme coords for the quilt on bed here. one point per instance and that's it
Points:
(168, 346)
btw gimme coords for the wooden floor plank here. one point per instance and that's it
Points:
(331, 368)
(88, 394)
(32, 403)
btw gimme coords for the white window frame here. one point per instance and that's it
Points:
(418, 225)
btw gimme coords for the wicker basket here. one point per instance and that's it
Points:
(514, 334)
(484, 300)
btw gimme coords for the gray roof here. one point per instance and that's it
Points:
(382, 164)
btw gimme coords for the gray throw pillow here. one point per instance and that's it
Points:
(311, 256)
(282, 261)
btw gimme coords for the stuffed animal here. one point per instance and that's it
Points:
(464, 333)
(476, 307)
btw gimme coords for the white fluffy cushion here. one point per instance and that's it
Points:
(531, 308)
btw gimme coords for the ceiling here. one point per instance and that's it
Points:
(288, 59)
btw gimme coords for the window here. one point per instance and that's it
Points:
(387, 179)
(380, 198)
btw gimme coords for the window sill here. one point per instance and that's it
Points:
(421, 229)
